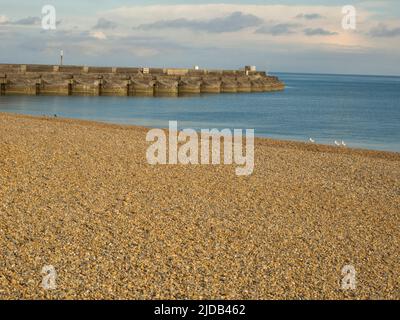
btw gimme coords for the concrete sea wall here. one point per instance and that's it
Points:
(18, 79)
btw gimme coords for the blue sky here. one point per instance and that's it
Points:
(287, 35)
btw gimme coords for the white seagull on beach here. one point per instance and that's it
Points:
(312, 140)
(343, 143)
(337, 143)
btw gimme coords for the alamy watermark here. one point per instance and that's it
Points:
(349, 281)
(349, 21)
(49, 278)
(188, 147)
(49, 17)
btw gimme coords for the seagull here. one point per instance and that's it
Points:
(312, 140)
(337, 143)
(343, 143)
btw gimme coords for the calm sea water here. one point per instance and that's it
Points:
(364, 111)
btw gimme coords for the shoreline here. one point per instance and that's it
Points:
(294, 144)
(80, 196)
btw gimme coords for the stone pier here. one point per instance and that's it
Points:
(112, 81)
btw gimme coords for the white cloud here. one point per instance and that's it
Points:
(3, 19)
(100, 35)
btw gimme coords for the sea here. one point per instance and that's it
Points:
(362, 111)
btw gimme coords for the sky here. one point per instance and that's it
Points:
(278, 36)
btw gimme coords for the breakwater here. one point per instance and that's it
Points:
(18, 79)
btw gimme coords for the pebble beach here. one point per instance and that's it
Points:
(80, 196)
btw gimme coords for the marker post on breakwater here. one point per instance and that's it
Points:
(61, 57)
(18, 79)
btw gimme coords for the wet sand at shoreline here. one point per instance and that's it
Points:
(80, 196)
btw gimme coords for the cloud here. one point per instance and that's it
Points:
(29, 21)
(318, 32)
(3, 20)
(103, 23)
(383, 31)
(231, 23)
(278, 29)
(98, 35)
(309, 16)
